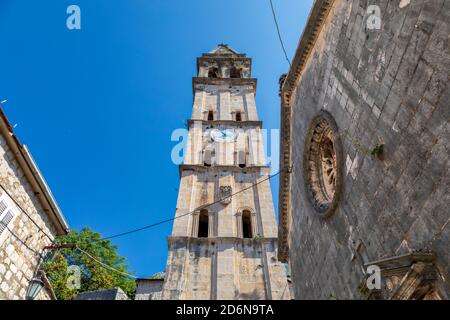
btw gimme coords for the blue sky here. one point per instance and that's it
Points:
(97, 106)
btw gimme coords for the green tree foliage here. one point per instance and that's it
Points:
(94, 276)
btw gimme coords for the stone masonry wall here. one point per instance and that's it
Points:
(224, 101)
(224, 269)
(224, 266)
(391, 87)
(17, 260)
(198, 189)
(149, 290)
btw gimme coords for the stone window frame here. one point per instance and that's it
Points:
(9, 208)
(209, 153)
(239, 224)
(323, 211)
(243, 153)
(209, 112)
(196, 223)
(241, 114)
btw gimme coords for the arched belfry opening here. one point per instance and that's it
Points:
(213, 72)
(235, 72)
(203, 224)
(247, 231)
(210, 115)
(238, 116)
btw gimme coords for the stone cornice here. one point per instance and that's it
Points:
(396, 264)
(215, 56)
(222, 58)
(226, 123)
(219, 240)
(316, 19)
(220, 169)
(224, 81)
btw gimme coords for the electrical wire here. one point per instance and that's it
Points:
(123, 233)
(279, 33)
(26, 213)
(104, 265)
(20, 240)
(161, 222)
(41, 255)
(188, 213)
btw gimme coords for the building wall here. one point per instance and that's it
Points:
(390, 87)
(224, 266)
(17, 261)
(224, 269)
(249, 141)
(106, 294)
(198, 189)
(149, 289)
(224, 102)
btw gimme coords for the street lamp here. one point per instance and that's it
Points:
(35, 286)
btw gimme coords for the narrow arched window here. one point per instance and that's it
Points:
(235, 72)
(241, 159)
(247, 224)
(203, 224)
(213, 72)
(238, 116)
(207, 157)
(210, 116)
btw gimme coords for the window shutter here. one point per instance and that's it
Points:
(7, 214)
(3, 207)
(5, 221)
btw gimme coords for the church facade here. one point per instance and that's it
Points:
(224, 239)
(364, 152)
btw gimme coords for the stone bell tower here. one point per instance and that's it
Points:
(226, 250)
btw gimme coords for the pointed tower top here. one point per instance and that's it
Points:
(224, 62)
(224, 49)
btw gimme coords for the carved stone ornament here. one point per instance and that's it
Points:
(412, 276)
(323, 164)
(225, 193)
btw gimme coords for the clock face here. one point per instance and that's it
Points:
(223, 135)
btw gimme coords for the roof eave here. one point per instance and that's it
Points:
(33, 175)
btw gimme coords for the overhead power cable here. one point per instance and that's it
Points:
(147, 227)
(20, 240)
(279, 32)
(104, 265)
(26, 213)
(41, 256)
(188, 213)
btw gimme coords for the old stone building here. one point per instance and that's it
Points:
(364, 151)
(227, 248)
(151, 288)
(105, 294)
(29, 217)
